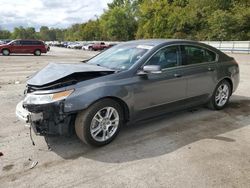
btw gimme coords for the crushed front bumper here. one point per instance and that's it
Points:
(48, 119)
(21, 113)
(26, 116)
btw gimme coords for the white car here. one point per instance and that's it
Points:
(87, 46)
(72, 45)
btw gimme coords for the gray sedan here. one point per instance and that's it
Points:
(126, 83)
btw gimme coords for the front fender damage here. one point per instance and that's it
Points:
(50, 119)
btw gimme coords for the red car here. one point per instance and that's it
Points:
(35, 47)
(99, 46)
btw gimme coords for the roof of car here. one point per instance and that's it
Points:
(156, 42)
(28, 40)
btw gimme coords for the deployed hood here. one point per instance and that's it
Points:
(53, 72)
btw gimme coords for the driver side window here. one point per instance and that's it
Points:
(166, 58)
(17, 43)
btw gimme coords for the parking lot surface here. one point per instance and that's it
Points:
(194, 148)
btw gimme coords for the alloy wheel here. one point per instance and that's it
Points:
(104, 124)
(222, 95)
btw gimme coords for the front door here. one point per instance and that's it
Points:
(155, 90)
(16, 47)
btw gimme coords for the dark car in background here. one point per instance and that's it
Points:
(127, 83)
(19, 46)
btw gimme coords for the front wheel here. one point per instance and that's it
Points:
(6, 52)
(100, 123)
(220, 96)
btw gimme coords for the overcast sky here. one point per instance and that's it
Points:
(52, 13)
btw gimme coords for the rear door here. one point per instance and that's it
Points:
(199, 67)
(26, 46)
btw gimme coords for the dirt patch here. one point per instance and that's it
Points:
(8, 167)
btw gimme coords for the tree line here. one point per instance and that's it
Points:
(136, 19)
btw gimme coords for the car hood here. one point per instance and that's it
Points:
(53, 72)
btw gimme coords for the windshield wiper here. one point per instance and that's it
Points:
(84, 61)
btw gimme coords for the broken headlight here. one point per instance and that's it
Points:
(46, 98)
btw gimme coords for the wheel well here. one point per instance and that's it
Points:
(230, 82)
(122, 104)
(36, 50)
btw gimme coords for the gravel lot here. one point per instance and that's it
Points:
(198, 148)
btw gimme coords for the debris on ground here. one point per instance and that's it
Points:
(16, 121)
(33, 164)
(1, 154)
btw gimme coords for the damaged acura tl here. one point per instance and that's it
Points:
(126, 83)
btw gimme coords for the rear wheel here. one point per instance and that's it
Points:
(220, 96)
(100, 123)
(37, 52)
(5, 52)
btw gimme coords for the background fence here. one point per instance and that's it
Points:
(230, 46)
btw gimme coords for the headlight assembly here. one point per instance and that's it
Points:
(46, 98)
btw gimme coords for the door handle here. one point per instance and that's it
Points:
(210, 69)
(177, 75)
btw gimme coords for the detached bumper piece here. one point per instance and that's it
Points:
(47, 119)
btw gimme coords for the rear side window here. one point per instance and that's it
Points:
(166, 58)
(194, 55)
(36, 42)
(30, 42)
(25, 42)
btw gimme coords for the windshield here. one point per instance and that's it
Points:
(9, 42)
(120, 57)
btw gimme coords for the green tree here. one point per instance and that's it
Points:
(44, 33)
(153, 19)
(129, 19)
(5, 34)
(119, 22)
(221, 25)
(91, 30)
(24, 33)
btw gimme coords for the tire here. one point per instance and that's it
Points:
(5, 52)
(88, 123)
(220, 96)
(37, 52)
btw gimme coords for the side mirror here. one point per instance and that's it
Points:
(150, 69)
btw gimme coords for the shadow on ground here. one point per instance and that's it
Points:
(161, 135)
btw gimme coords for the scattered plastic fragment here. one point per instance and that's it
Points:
(33, 164)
